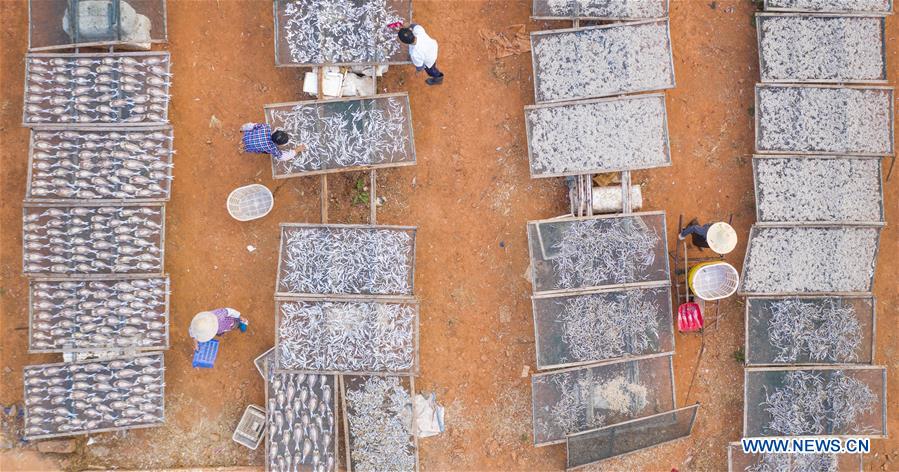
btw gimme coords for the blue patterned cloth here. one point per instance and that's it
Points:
(259, 140)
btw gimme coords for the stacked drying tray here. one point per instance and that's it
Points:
(602, 297)
(100, 170)
(809, 269)
(346, 314)
(346, 318)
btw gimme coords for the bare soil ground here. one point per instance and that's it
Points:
(470, 196)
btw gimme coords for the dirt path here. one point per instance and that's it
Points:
(470, 196)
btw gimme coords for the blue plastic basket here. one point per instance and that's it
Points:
(204, 357)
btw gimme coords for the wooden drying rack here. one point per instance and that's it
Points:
(372, 173)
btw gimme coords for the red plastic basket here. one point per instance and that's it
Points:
(689, 317)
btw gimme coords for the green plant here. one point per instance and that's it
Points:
(739, 356)
(360, 194)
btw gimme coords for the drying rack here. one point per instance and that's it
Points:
(372, 173)
(582, 193)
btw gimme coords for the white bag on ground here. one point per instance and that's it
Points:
(428, 416)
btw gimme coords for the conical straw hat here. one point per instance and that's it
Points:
(204, 326)
(722, 238)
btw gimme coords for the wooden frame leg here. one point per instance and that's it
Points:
(373, 196)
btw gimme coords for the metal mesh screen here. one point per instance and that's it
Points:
(339, 32)
(599, 9)
(581, 253)
(88, 397)
(347, 336)
(812, 48)
(344, 134)
(93, 239)
(818, 189)
(810, 330)
(100, 164)
(583, 398)
(784, 260)
(591, 327)
(72, 315)
(824, 401)
(346, 259)
(302, 421)
(605, 443)
(64, 24)
(379, 419)
(596, 136)
(601, 61)
(97, 89)
(821, 119)
(831, 6)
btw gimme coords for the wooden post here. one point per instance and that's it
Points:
(626, 192)
(320, 85)
(324, 197)
(373, 196)
(588, 196)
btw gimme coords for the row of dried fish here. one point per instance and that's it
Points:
(81, 314)
(301, 422)
(91, 89)
(62, 399)
(93, 239)
(104, 179)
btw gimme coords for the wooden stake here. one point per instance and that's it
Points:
(324, 197)
(626, 192)
(373, 196)
(588, 195)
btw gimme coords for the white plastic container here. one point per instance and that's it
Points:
(331, 85)
(713, 280)
(250, 202)
(608, 199)
(251, 428)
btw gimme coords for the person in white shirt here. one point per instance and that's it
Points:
(422, 51)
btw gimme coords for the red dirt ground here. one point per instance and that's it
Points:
(470, 196)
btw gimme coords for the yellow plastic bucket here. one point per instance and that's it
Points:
(713, 280)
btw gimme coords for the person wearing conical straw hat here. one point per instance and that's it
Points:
(719, 237)
(209, 324)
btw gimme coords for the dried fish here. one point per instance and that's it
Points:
(291, 436)
(84, 88)
(381, 438)
(78, 238)
(83, 406)
(334, 260)
(346, 337)
(96, 179)
(341, 31)
(343, 134)
(832, 402)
